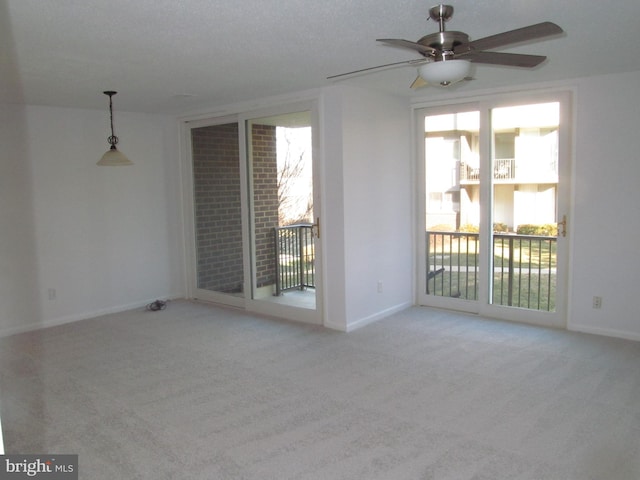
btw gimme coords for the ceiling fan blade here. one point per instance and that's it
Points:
(419, 82)
(398, 42)
(532, 32)
(379, 67)
(508, 59)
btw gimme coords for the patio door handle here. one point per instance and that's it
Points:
(563, 224)
(315, 228)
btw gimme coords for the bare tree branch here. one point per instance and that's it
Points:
(290, 172)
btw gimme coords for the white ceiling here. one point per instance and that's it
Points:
(172, 56)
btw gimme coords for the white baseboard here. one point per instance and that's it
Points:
(54, 322)
(607, 332)
(377, 316)
(334, 326)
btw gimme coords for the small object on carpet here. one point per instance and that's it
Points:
(157, 305)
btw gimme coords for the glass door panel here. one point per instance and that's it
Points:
(217, 223)
(452, 167)
(525, 146)
(283, 223)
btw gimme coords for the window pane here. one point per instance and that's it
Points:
(452, 204)
(218, 218)
(525, 184)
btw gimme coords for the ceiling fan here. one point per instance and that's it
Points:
(447, 55)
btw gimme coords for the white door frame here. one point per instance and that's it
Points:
(255, 305)
(305, 315)
(484, 105)
(189, 214)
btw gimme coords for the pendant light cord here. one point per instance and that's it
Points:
(111, 113)
(113, 140)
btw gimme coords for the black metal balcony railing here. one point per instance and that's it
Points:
(508, 170)
(503, 169)
(295, 257)
(524, 268)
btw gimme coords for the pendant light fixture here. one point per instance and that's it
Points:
(113, 157)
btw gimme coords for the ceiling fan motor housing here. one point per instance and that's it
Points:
(444, 43)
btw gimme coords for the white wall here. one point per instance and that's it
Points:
(18, 265)
(333, 203)
(605, 227)
(369, 158)
(104, 238)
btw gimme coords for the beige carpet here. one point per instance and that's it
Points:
(200, 392)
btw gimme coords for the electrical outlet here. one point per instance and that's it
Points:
(597, 302)
(379, 286)
(52, 293)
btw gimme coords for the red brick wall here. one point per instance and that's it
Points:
(265, 200)
(217, 198)
(218, 217)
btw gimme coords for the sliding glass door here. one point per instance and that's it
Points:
(452, 214)
(253, 219)
(493, 218)
(217, 213)
(284, 228)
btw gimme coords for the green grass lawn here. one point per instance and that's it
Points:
(531, 291)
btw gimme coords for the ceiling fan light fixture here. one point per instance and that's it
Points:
(444, 72)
